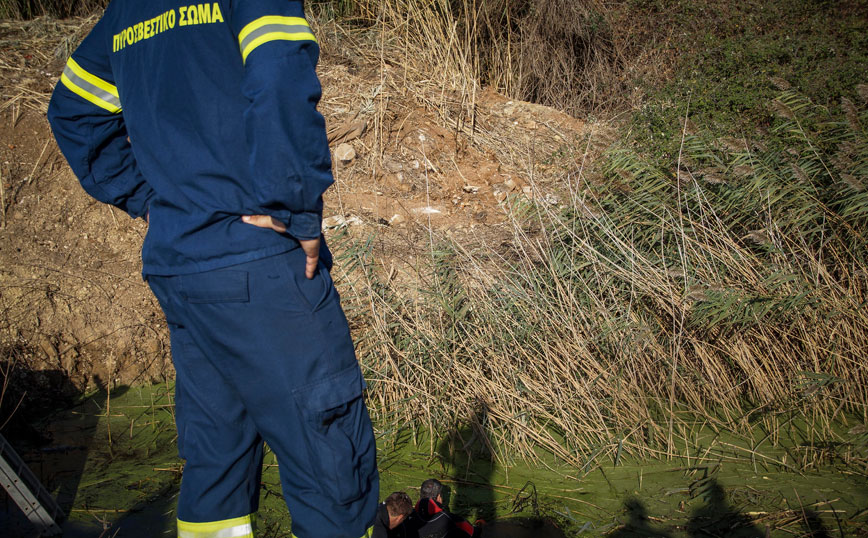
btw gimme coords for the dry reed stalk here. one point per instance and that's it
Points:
(553, 370)
(38, 159)
(2, 201)
(568, 346)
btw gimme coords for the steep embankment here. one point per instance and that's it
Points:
(407, 173)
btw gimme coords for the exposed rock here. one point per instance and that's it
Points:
(47, 347)
(345, 153)
(347, 131)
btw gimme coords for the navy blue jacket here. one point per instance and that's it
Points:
(196, 114)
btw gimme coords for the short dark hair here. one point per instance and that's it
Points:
(398, 504)
(430, 489)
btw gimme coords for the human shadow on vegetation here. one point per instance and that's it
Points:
(55, 451)
(59, 433)
(522, 528)
(119, 461)
(466, 453)
(151, 518)
(718, 518)
(638, 525)
(813, 525)
(76, 436)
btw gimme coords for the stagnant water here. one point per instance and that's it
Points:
(112, 464)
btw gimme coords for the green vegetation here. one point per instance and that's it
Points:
(728, 292)
(687, 327)
(114, 459)
(119, 473)
(732, 59)
(707, 273)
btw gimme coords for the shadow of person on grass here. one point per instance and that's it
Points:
(55, 450)
(813, 525)
(152, 514)
(718, 518)
(467, 456)
(154, 517)
(522, 528)
(638, 525)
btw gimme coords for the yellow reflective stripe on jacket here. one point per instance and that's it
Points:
(271, 28)
(239, 527)
(90, 87)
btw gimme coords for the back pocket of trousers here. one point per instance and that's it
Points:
(221, 286)
(313, 292)
(339, 435)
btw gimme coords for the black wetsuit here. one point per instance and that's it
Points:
(431, 520)
(381, 525)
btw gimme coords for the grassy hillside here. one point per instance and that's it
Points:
(706, 264)
(683, 282)
(709, 266)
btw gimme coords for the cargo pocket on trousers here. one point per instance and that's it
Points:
(340, 440)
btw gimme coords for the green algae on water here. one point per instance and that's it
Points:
(113, 465)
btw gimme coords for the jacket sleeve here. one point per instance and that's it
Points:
(290, 161)
(86, 117)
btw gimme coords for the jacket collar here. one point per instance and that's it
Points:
(428, 507)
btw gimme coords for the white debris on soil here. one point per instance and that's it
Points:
(396, 219)
(427, 210)
(552, 199)
(345, 153)
(339, 221)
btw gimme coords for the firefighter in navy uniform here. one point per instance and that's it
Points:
(202, 119)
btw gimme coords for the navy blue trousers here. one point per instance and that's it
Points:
(262, 353)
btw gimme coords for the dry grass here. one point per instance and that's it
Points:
(646, 309)
(727, 294)
(28, 9)
(560, 53)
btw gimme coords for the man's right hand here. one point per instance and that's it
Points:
(311, 252)
(309, 246)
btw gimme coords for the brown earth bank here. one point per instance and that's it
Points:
(413, 163)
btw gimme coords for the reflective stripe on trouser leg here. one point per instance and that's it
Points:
(239, 527)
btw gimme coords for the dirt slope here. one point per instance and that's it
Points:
(71, 294)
